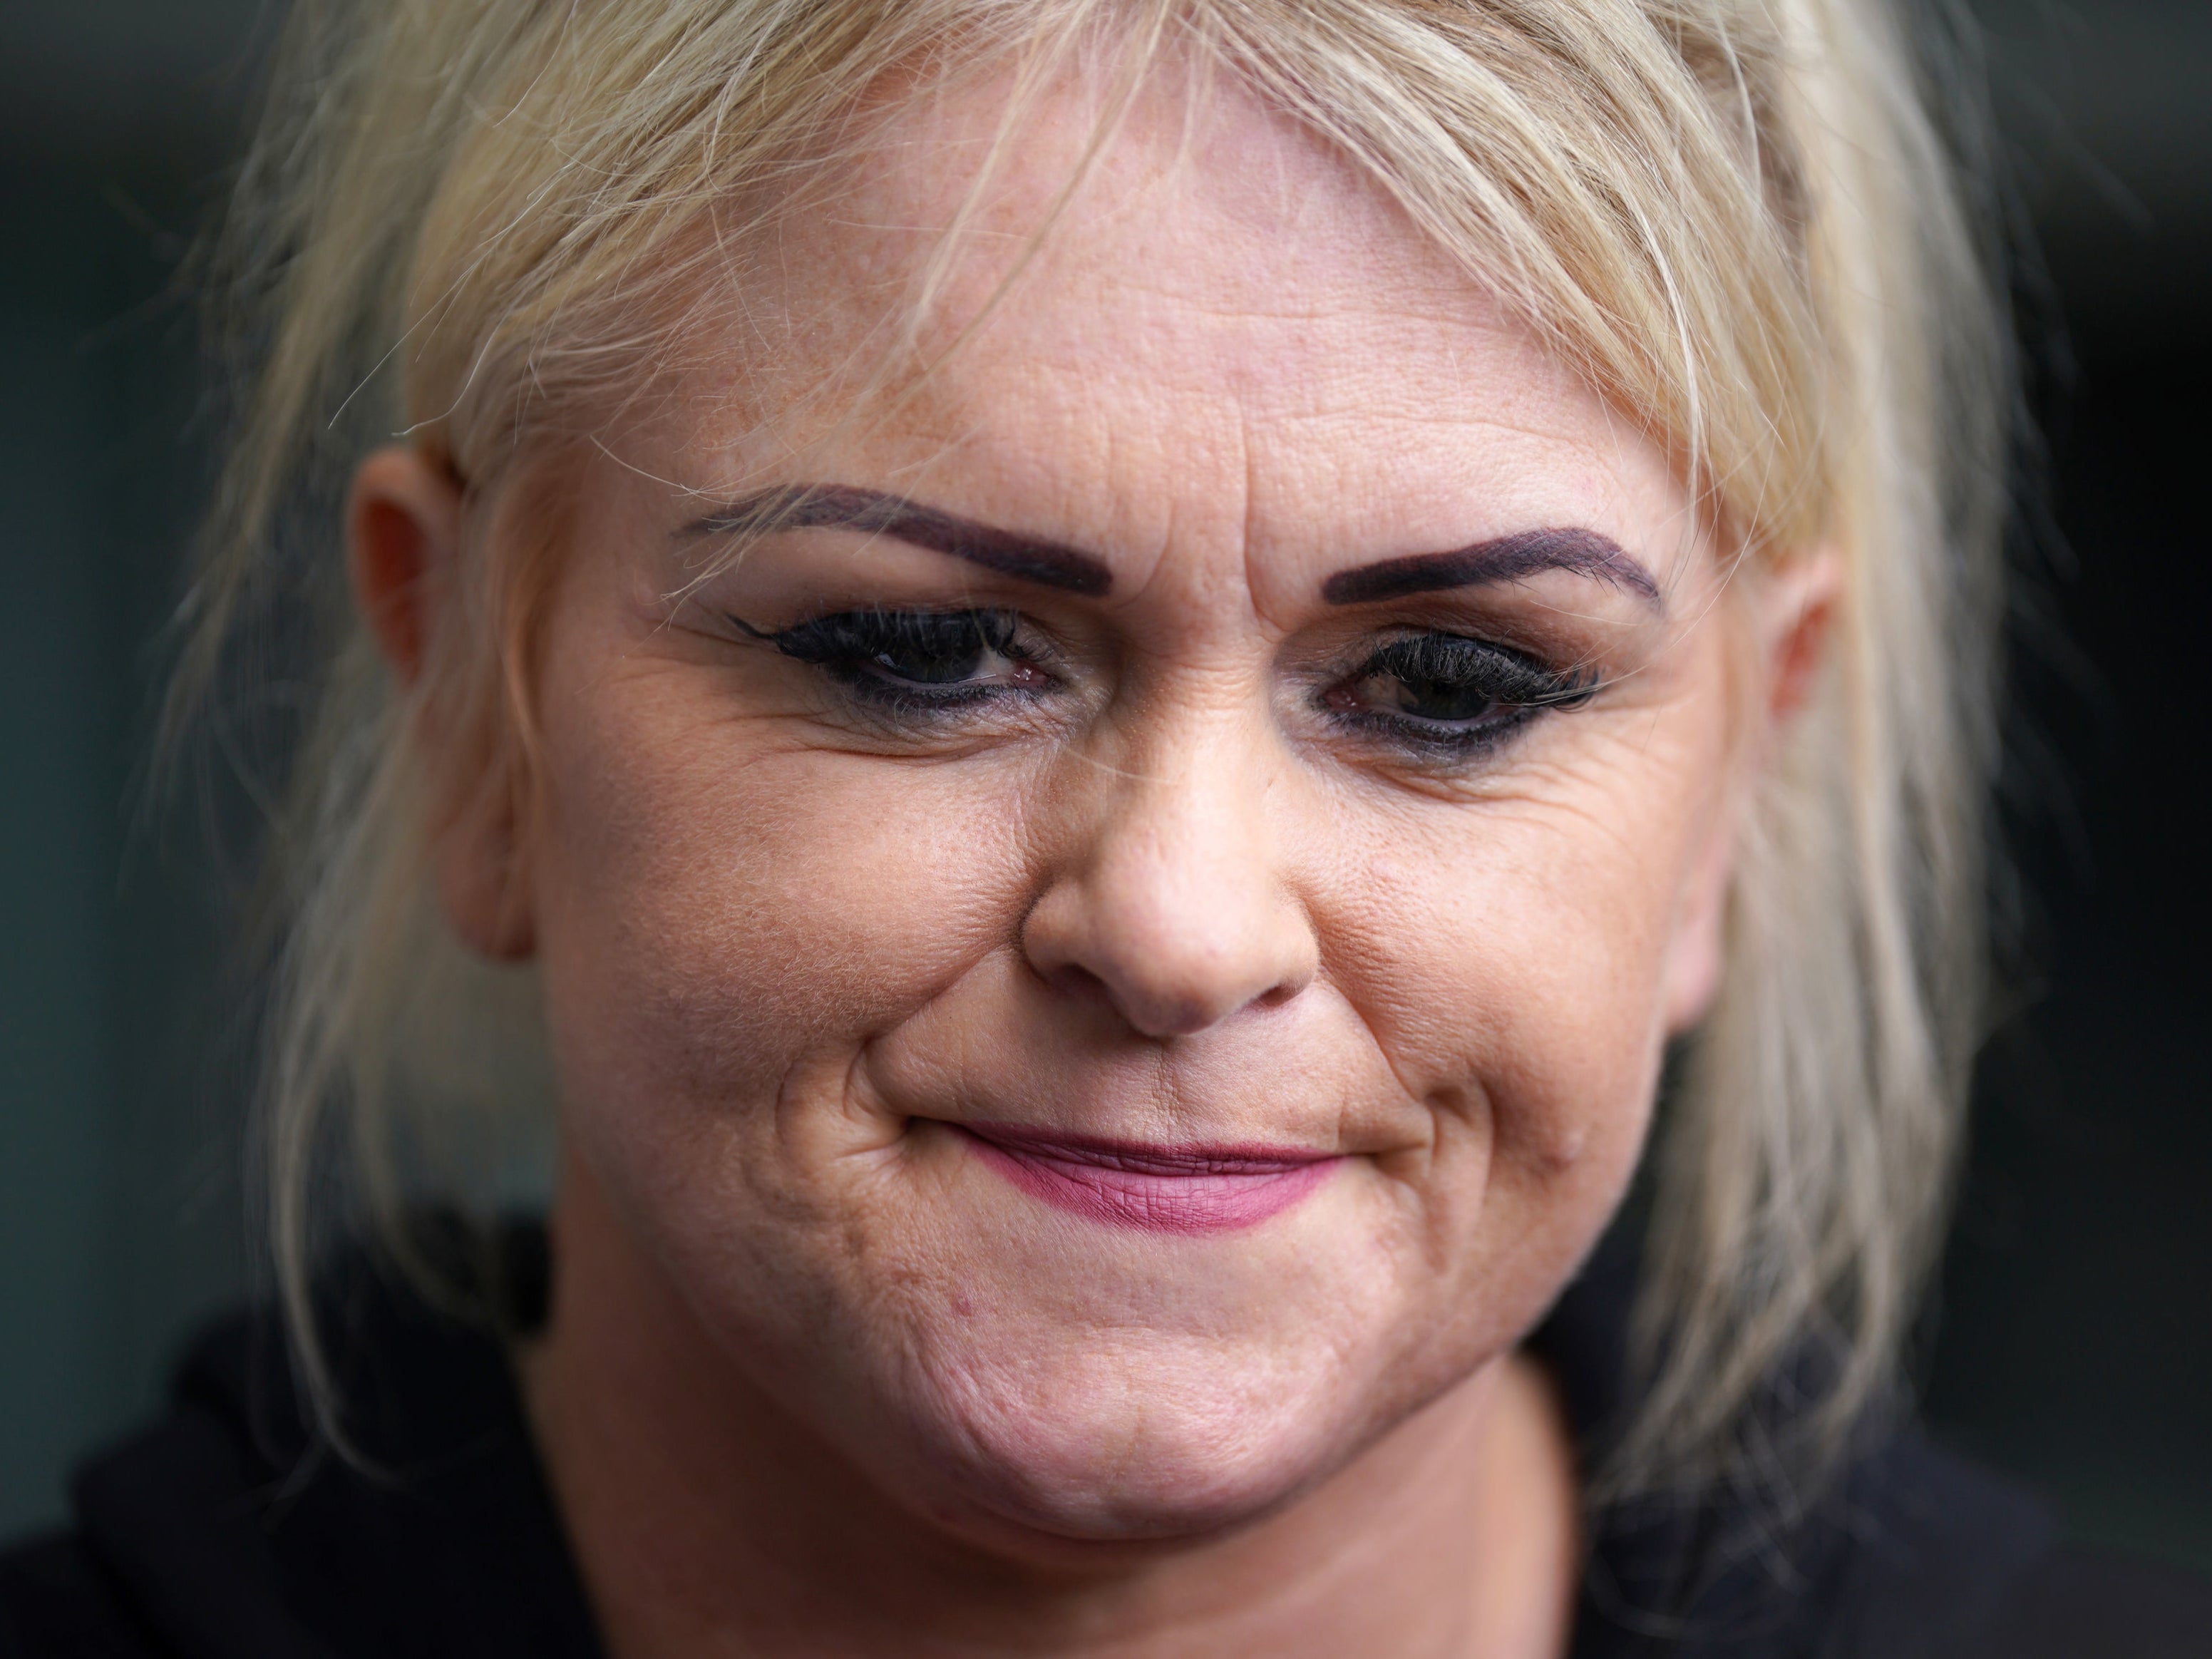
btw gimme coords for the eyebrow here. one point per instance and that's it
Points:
(844, 507)
(1502, 559)
(1052, 564)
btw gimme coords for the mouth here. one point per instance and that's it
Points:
(1153, 1188)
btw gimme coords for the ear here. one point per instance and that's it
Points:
(1792, 608)
(1795, 609)
(404, 526)
(403, 539)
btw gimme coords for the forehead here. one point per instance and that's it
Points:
(1212, 290)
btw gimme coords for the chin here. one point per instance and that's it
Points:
(1126, 1446)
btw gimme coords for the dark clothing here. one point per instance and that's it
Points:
(221, 1533)
(1914, 1554)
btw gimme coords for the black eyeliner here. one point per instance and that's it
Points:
(893, 658)
(1454, 693)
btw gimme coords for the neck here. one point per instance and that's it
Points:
(706, 1521)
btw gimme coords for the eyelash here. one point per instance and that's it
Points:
(859, 650)
(1511, 688)
(862, 651)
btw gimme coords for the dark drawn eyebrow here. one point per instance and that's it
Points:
(842, 506)
(1502, 559)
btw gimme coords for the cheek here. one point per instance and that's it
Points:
(719, 910)
(728, 924)
(1511, 956)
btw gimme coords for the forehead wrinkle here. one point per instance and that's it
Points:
(952, 407)
(1077, 241)
(1188, 570)
(1248, 527)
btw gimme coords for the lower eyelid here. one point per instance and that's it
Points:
(884, 692)
(1508, 715)
(1440, 741)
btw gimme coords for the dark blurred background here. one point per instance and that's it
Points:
(2071, 1341)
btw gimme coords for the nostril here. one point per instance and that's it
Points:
(1149, 1010)
(1072, 978)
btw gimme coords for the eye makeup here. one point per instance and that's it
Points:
(1451, 694)
(1443, 695)
(1452, 685)
(915, 661)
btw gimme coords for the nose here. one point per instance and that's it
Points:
(1173, 907)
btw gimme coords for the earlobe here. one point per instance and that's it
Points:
(480, 885)
(404, 522)
(1699, 947)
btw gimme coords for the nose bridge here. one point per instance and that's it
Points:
(1187, 836)
(1174, 903)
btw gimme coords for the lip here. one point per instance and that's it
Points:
(1160, 1190)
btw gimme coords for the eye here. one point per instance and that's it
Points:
(1449, 691)
(917, 659)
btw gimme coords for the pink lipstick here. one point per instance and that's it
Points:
(1161, 1190)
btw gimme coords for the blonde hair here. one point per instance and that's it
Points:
(462, 218)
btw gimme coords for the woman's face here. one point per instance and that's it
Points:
(1127, 947)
